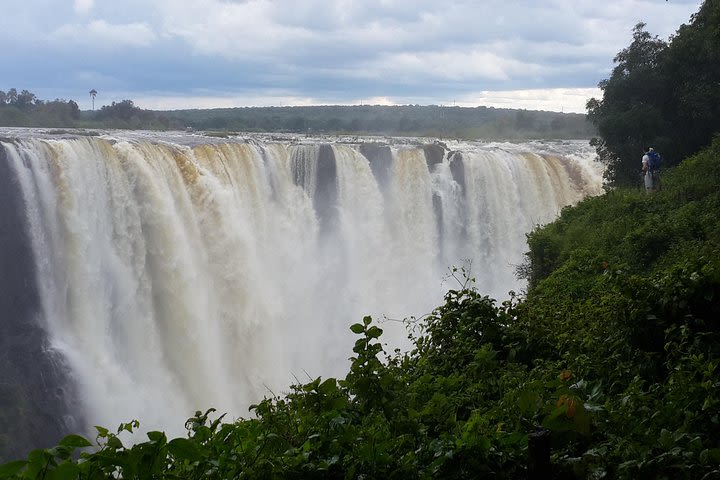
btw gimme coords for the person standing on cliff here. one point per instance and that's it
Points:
(651, 170)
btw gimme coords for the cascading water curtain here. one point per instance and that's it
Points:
(179, 277)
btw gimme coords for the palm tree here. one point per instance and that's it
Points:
(93, 92)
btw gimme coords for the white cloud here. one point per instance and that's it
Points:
(524, 41)
(190, 101)
(568, 100)
(473, 65)
(376, 101)
(99, 34)
(83, 6)
(233, 30)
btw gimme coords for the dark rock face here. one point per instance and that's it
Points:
(326, 192)
(380, 158)
(457, 168)
(438, 210)
(35, 391)
(434, 153)
(325, 196)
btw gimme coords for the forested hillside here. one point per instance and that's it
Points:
(24, 109)
(401, 120)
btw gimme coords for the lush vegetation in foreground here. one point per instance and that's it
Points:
(614, 350)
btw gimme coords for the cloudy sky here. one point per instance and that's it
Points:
(168, 54)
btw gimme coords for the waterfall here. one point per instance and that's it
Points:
(173, 275)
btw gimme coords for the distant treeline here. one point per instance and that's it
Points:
(24, 109)
(415, 120)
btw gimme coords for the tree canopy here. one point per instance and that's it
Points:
(660, 94)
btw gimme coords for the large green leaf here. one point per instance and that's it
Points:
(374, 332)
(184, 449)
(75, 441)
(157, 437)
(64, 471)
(357, 328)
(11, 469)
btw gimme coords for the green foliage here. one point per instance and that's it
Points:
(628, 117)
(24, 109)
(628, 229)
(629, 284)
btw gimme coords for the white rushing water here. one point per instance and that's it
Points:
(180, 275)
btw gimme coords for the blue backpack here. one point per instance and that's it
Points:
(654, 163)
